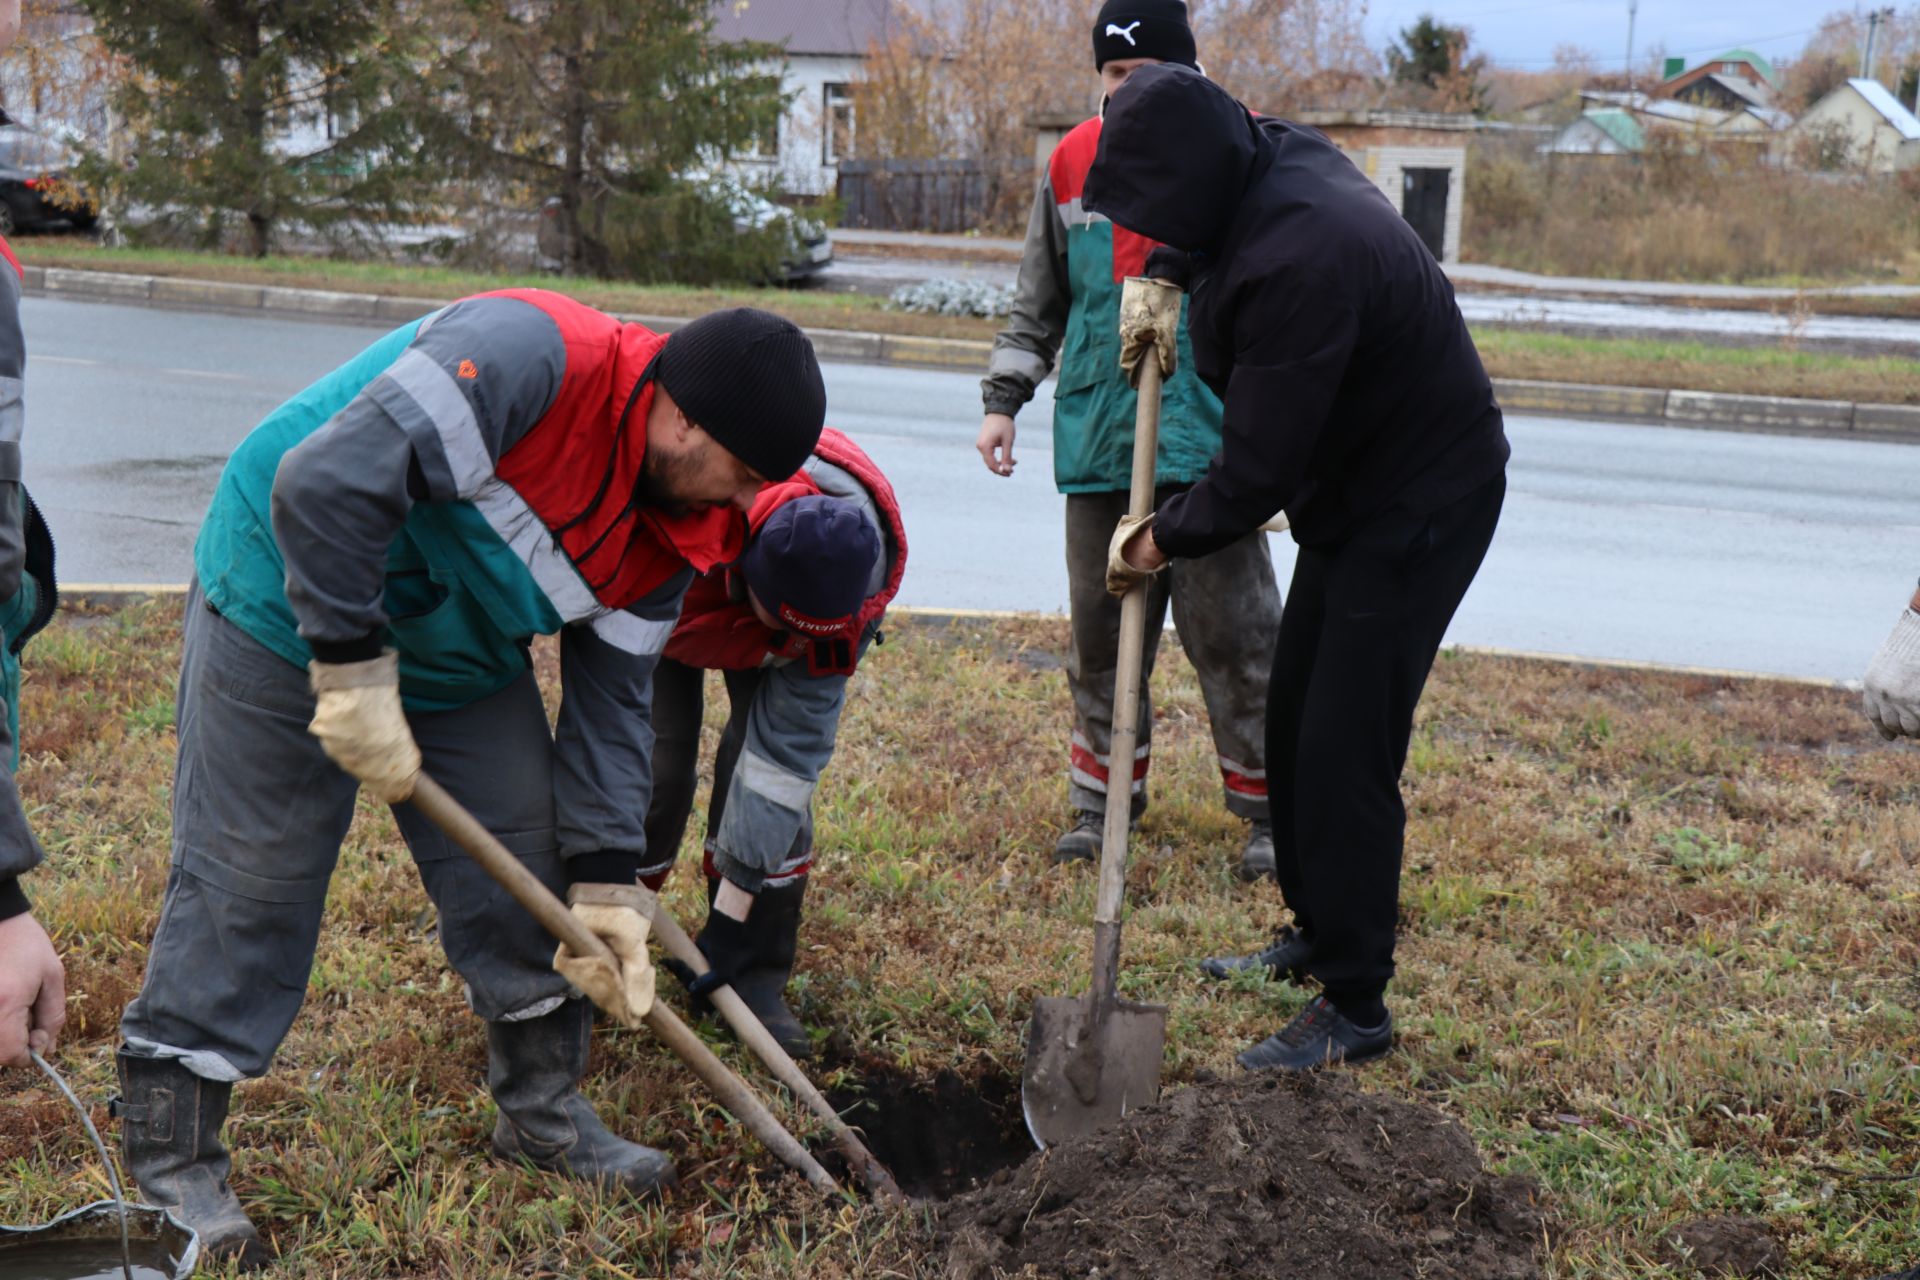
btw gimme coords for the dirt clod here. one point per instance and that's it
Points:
(1254, 1176)
(1738, 1247)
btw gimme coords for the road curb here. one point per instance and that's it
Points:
(1711, 410)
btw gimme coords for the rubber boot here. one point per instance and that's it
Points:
(1256, 857)
(170, 1124)
(534, 1067)
(776, 918)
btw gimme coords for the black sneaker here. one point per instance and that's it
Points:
(1913, 1273)
(1321, 1036)
(1286, 958)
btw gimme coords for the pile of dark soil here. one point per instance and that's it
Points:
(1310, 1179)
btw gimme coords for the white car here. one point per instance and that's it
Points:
(809, 247)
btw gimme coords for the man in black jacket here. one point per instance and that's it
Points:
(1356, 403)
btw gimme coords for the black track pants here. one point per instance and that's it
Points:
(1363, 622)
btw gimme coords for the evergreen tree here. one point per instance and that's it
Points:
(265, 110)
(1432, 56)
(606, 108)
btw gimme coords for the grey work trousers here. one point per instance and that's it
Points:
(1226, 611)
(258, 816)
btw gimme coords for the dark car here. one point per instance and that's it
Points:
(36, 184)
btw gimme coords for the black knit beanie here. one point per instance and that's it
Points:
(1143, 29)
(749, 379)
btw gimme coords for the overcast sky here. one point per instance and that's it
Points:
(1517, 34)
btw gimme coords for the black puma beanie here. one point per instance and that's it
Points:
(1143, 29)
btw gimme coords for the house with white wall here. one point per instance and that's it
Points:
(1866, 122)
(826, 43)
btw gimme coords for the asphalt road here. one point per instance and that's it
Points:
(1754, 552)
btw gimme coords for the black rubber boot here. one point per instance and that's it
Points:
(170, 1124)
(534, 1067)
(1081, 842)
(776, 920)
(1256, 856)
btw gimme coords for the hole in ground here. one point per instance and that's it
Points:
(939, 1135)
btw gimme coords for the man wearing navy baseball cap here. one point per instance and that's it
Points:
(785, 625)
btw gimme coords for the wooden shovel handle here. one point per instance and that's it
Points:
(731, 1091)
(757, 1038)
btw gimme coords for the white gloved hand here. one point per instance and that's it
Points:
(1122, 576)
(617, 915)
(1892, 695)
(1149, 321)
(360, 724)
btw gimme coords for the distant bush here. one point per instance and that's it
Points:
(954, 298)
(1676, 213)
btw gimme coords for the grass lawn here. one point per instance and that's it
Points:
(1623, 362)
(1699, 366)
(1660, 954)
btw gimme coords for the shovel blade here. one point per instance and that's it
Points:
(1071, 1087)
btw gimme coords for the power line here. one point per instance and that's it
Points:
(1705, 51)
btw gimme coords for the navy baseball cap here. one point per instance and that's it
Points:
(810, 562)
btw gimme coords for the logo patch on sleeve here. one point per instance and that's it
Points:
(467, 369)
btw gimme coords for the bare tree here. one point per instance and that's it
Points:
(1286, 55)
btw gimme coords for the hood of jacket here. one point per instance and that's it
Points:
(1176, 154)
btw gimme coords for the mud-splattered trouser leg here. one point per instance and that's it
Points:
(1365, 617)
(258, 816)
(1226, 609)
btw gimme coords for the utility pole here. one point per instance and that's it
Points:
(1874, 19)
(1633, 9)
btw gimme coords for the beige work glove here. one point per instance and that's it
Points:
(1892, 694)
(1149, 321)
(617, 915)
(358, 719)
(1121, 576)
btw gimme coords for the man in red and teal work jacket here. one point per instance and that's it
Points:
(786, 627)
(379, 554)
(1226, 608)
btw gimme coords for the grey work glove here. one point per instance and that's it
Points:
(1121, 576)
(1149, 321)
(1892, 695)
(617, 915)
(360, 724)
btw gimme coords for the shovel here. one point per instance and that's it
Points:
(756, 1037)
(465, 830)
(1093, 1058)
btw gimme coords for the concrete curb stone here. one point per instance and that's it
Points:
(1896, 422)
(1695, 409)
(1574, 399)
(1776, 413)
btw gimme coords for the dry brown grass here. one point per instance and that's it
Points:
(1673, 215)
(1659, 953)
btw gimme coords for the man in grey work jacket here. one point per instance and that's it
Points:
(515, 464)
(1226, 608)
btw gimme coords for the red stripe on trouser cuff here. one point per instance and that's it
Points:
(1241, 785)
(1089, 764)
(786, 873)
